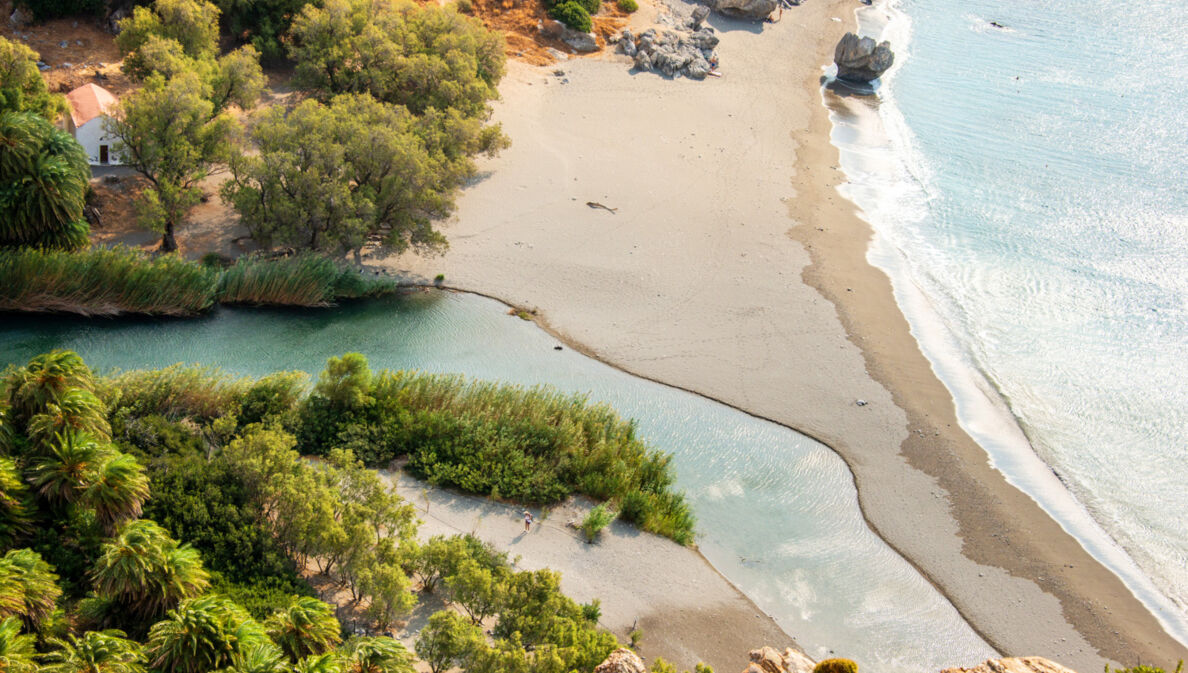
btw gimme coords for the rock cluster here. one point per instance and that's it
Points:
(747, 9)
(1014, 665)
(622, 660)
(689, 51)
(580, 42)
(861, 59)
(769, 660)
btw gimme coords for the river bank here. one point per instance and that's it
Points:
(734, 269)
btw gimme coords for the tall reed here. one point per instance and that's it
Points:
(306, 279)
(103, 282)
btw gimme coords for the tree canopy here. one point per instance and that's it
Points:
(22, 88)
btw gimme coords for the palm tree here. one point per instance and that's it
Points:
(203, 634)
(319, 663)
(263, 657)
(47, 376)
(16, 650)
(75, 409)
(117, 491)
(65, 473)
(307, 626)
(44, 173)
(145, 570)
(376, 655)
(15, 508)
(94, 652)
(34, 582)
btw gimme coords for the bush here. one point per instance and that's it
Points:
(836, 666)
(598, 518)
(628, 5)
(573, 15)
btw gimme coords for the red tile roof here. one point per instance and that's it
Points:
(89, 101)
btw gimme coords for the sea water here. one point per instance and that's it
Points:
(1026, 183)
(777, 512)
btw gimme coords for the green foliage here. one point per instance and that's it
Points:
(329, 176)
(103, 282)
(529, 444)
(375, 655)
(448, 640)
(192, 24)
(598, 518)
(421, 57)
(836, 665)
(1143, 668)
(662, 666)
(43, 182)
(16, 508)
(636, 636)
(175, 392)
(572, 14)
(305, 627)
(172, 134)
(306, 279)
(16, 650)
(628, 6)
(28, 587)
(22, 88)
(203, 634)
(145, 572)
(261, 22)
(441, 557)
(477, 589)
(94, 652)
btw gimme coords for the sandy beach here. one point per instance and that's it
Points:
(687, 611)
(732, 268)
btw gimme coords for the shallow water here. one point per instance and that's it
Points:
(777, 512)
(1026, 186)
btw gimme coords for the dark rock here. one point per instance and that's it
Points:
(861, 59)
(704, 39)
(643, 61)
(746, 9)
(63, 44)
(19, 18)
(700, 14)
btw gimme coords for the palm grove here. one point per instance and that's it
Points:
(393, 108)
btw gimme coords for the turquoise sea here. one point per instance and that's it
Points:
(1026, 184)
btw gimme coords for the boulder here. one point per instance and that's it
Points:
(746, 9)
(698, 68)
(700, 14)
(576, 40)
(704, 39)
(643, 61)
(1014, 665)
(627, 46)
(769, 659)
(19, 18)
(797, 662)
(622, 660)
(753, 668)
(861, 59)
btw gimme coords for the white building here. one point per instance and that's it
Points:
(89, 105)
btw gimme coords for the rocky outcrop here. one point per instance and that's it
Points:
(622, 660)
(746, 9)
(673, 52)
(769, 660)
(580, 42)
(861, 59)
(1014, 665)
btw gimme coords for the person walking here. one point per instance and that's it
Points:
(527, 521)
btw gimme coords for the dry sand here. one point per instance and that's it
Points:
(686, 610)
(733, 268)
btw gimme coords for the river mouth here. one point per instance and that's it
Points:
(777, 512)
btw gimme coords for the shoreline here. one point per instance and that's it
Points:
(758, 343)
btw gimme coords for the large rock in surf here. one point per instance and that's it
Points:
(746, 9)
(861, 59)
(1014, 665)
(622, 660)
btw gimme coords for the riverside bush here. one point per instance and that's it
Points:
(835, 666)
(598, 518)
(572, 14)
(531, 445)
(628, 5)
(302, 280)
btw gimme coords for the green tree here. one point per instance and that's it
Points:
(44, 381)
(420, 57)
(386, 587)
(201, 635)
(30, 586)
(75, 410)
(447, 641)
(319, 663)
(22, 88)
(375, 655)
(16, 650)
(478, 589)
(144, 570)
(16, 519)
(261, 657)
(169, 132)
(263, 22)
(66, 471)
(329, 177)
(306, 627)
(94, 652)
(43, 183)
(193, 24)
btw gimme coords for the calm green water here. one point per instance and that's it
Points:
(777, 512)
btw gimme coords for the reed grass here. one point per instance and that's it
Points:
(306, 279)
(175, 392)
(103, 282)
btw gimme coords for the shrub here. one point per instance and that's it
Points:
(591, 6)
(598, 518)
(628, 5)
(836, 666)
(573, 15)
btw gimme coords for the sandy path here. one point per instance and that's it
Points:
(734, 269)
(687, 611)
